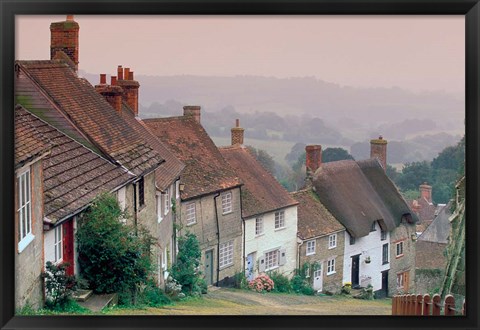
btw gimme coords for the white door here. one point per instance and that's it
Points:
(318, 279)
(250, 262)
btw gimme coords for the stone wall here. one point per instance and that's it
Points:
(405, 263)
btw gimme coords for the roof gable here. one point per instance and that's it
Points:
(206, 171)
(261, 191)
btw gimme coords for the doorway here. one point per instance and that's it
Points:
(384, 290)
(68, 252)
(318, 279)
(355, 271)
(209, 267)
(250, 263)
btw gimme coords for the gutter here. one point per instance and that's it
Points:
(218, 236)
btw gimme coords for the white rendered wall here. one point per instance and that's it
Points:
(48, 245)
(274, 238)
(370, 245)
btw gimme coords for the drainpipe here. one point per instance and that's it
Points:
(218, 236)
(244, 229)
(135, 207)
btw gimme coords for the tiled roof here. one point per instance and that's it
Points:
(313, 218)
(261, 192)
(206, 171)
(72, 174)
(359, 193)
(439, 230)
(92, 115)
(169, 170)
(426, 211)
(29, 142)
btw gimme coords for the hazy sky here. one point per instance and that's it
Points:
(412, 52)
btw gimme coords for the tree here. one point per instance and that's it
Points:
(334, 154)
(113, 257)
(185, 269)
(297, 150)
(264, 158)
(414, 174)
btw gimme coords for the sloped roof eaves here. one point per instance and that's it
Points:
(348, 195)
(314, 219)
(92, 114)
(206, 171)
(261, 192)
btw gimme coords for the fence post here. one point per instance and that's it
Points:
(426, 305)
(404, 305)
(418, 308)
(411, 307)
(464, 311)
(399, 304)
(394, 305)
(436, 304)
(449, 305)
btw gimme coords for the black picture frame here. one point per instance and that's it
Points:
(10, 8)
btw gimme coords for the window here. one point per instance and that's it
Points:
(399, 247)
(271, 259)
(166, 201)
(227, 202)
(121, 197)
(373, 227)
(191, 216)
(352, 240)
(307, 271)
(385, 254)
(158, 199)
(383, 235)
(58, 244)
(25, 235)
(330, 266)
(141, 192)
(332, 241)
(226, 254)
(400, 280)
(258, 226)
(310, 247)
(279, 219)
(177, 189)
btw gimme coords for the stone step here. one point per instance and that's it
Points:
(97, 302)
(82, 295)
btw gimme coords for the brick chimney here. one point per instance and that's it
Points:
(426, 192)
(192, 110)
(112, 93)
(64, 38)
(378, 149)
(130, 87)
(237, 133)
(313, 159)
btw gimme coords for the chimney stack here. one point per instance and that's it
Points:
(130, 88)
(426, 192)
(378, 149)
(237, 133)
(313, 159)
(112, 93)
(192, 110)
(64, 38)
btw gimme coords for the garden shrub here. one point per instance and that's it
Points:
(113, 257)
(59, 286)
(282, 283)
(185, 270)
(240, 281)
(261, 283)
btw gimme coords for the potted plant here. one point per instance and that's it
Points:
(367, 260)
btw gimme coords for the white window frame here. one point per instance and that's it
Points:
(272, 259)
(158, 202)
(400, 280)
(331, 266)
(259, 228)
(279, 219)
(177, 189)
(191, 213)
(225, 254)
(311, 245)
(25, 235)
(166, 203)
(58, 244)
(227, 202)
(397, 246)
(332, 241)
(385, 254)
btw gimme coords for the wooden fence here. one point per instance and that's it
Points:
(411, 304)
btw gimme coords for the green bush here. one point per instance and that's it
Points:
(186, 268)
(282, 283)
(58, 285)
(153, 296)
(113, 257)
(300, 283)
(240, 281)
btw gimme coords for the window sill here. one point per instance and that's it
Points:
(226, 266)
(191, 224)
(328, 274)
(332, 247)
(273, 268)
(281, 228)
(310, 254)
(259, 235)
(25, 242)
(225, 213)
(399, 256)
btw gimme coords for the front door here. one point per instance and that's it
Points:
(250, 262)
(209, 267)
(318, 279)
(384, 290)
(355, 271)
(68, 254)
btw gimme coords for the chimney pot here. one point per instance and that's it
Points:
(130, 75)
(426, 192)
(313, 158)
(120, 72)
(70, 18)
(126, 73)
(113, 81)
(237, 133)
(192, 110)
(103, 78)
